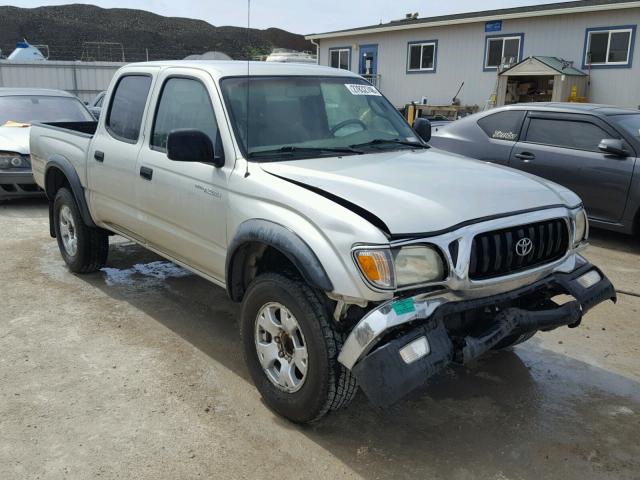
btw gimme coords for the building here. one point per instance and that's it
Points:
(429, 58)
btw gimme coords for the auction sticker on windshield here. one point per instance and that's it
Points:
(357, 89)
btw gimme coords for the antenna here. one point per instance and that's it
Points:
(246, 137)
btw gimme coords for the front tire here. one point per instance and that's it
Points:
(84, 249)
(291, 349)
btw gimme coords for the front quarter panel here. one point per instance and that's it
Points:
(330, 230)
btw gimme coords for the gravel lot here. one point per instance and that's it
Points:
(136, 372)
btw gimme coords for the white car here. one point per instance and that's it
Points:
(361, 256)
(19, 108)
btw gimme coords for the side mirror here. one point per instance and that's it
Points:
(613, 146)
(422, 126)
(188, 145)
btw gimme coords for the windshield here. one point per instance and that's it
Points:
(630, 123)
(30, 109)
(312, 116)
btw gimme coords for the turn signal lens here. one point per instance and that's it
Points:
(376, 266)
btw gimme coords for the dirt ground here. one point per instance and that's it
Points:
(136, 372)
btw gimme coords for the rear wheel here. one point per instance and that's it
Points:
(291, 349)
(84, 249)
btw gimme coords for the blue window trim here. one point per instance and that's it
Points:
(501, 35)
(629, 63)
(435, 56)
(332, 49)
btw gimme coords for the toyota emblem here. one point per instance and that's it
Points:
(524, 247)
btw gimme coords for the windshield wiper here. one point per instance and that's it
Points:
(391, 141)
(291, 150)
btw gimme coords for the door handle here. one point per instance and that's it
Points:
(146, 173)
(99, 156)
(526, 157)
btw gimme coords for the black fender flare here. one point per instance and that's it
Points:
(66, 167)
(282, 239)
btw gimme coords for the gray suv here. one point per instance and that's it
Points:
(591, 149)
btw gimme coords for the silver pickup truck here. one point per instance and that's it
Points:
(362, 257)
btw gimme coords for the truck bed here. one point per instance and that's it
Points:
(88, 128)
(65, 141)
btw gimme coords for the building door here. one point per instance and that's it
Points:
(368, 65)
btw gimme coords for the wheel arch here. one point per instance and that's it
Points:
(60, 172)
(256, 238)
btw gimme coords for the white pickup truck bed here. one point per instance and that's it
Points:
(68, 139)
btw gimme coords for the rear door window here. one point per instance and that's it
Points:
(575, 134)
(503, 125)
(127, 107)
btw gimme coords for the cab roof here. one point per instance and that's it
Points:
(234, 68)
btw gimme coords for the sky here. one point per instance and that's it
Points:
(299, 16)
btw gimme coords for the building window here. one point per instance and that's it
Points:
(340, 58)
(609, 47)
(506, 48)
(421, 56)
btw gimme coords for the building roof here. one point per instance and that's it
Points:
(32, 92)
(552, 65)
(559, 8)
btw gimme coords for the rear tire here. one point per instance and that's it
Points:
(84, 249)
(322, 383)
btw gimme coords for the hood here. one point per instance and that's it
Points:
(424, 191)
(14, 139)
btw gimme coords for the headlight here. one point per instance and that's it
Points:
(581, 224)
(399, 268)
(417, 264)
(13, 160)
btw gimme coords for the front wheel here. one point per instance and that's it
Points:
(84, 249)
(291, 349)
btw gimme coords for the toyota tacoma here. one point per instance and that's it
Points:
(361, 256)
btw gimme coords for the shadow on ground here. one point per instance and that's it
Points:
(614, 240)
(525, 413)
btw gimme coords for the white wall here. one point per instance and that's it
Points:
(461, 54)
(84, 79)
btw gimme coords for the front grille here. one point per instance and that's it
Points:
(498, 253)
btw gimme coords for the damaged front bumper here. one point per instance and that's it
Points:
(422, 336)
